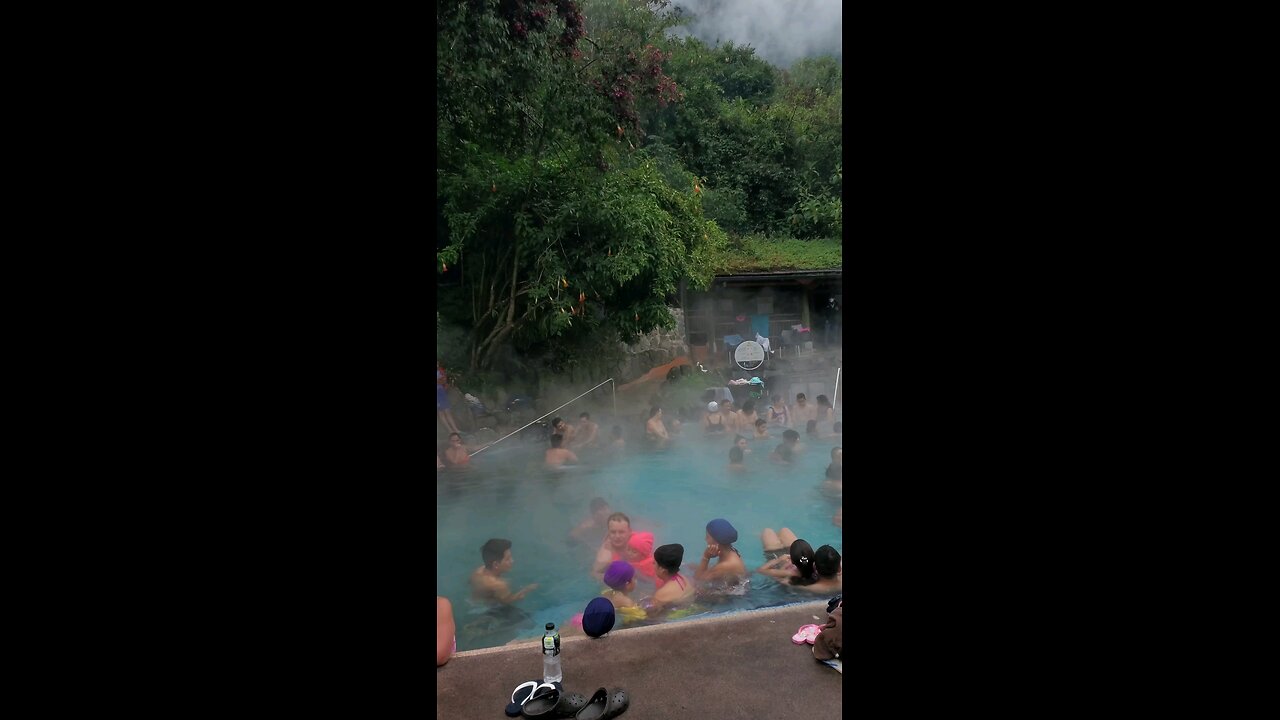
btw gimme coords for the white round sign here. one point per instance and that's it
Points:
(749, 355)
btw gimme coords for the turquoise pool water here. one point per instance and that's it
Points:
(672, 494)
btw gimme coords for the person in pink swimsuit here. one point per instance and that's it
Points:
(677, 590)
(639, 554)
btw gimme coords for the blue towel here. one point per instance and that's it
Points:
(732, 340)
(760, 325)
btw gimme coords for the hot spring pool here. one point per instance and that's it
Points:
(673, 494)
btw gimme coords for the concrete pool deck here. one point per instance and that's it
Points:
(736, 666)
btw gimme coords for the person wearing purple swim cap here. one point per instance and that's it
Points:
(729, 568)
(621, 579)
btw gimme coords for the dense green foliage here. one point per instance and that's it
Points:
(588, 163)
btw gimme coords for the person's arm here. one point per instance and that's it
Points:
(603, 557)
(502, 593)
(583, 528)
(705, 573)
(572, 457)
(773, 568)
(445, 630)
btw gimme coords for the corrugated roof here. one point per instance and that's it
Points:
(830, 272)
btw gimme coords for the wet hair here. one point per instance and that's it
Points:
(791, 435)
(826, 562)
(800, 396)
(802, 557)
(584, 416)
(735, 454)
(556, 422)
(822, 400)
(653, 411)
(838, 427)
(835, 450)
(761, 421)
(736, 438)
(557, 440)
(617, 431)
(598, 504)
(493, 550)
(775, 398)
(619, 516)
(811, 427)
(451, 435)
(748, 406)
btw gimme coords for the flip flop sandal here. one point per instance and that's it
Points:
(806, 634)
(543, 702)
(520, 696)
(570, 704)
(619, 701)
(596, 708)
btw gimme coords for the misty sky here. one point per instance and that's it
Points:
(781, 31)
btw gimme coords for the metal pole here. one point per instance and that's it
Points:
(513, 432)
(613, 386)
(836, 395)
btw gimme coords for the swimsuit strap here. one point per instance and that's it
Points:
(679, 580)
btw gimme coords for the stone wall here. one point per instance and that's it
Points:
(656, 348)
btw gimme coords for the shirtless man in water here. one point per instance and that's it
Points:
(615, 543)
(654, 430)
(587, 431)
(558, 425)
(487, 582)
(557, 456)
(456, 453)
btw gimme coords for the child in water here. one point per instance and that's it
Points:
(639, 554)
(621, 579)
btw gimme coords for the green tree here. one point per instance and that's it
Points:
(557, 226)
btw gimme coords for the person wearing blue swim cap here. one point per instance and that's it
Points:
(729, 568)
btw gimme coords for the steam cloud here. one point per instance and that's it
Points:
(781, 31)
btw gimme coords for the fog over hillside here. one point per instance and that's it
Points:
(781, 31)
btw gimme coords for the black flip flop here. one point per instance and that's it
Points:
(519, 696)
(543, 702)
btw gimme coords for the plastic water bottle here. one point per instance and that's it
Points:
(551, 671)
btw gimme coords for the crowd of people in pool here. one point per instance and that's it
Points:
(627, 561)
(718, 420)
